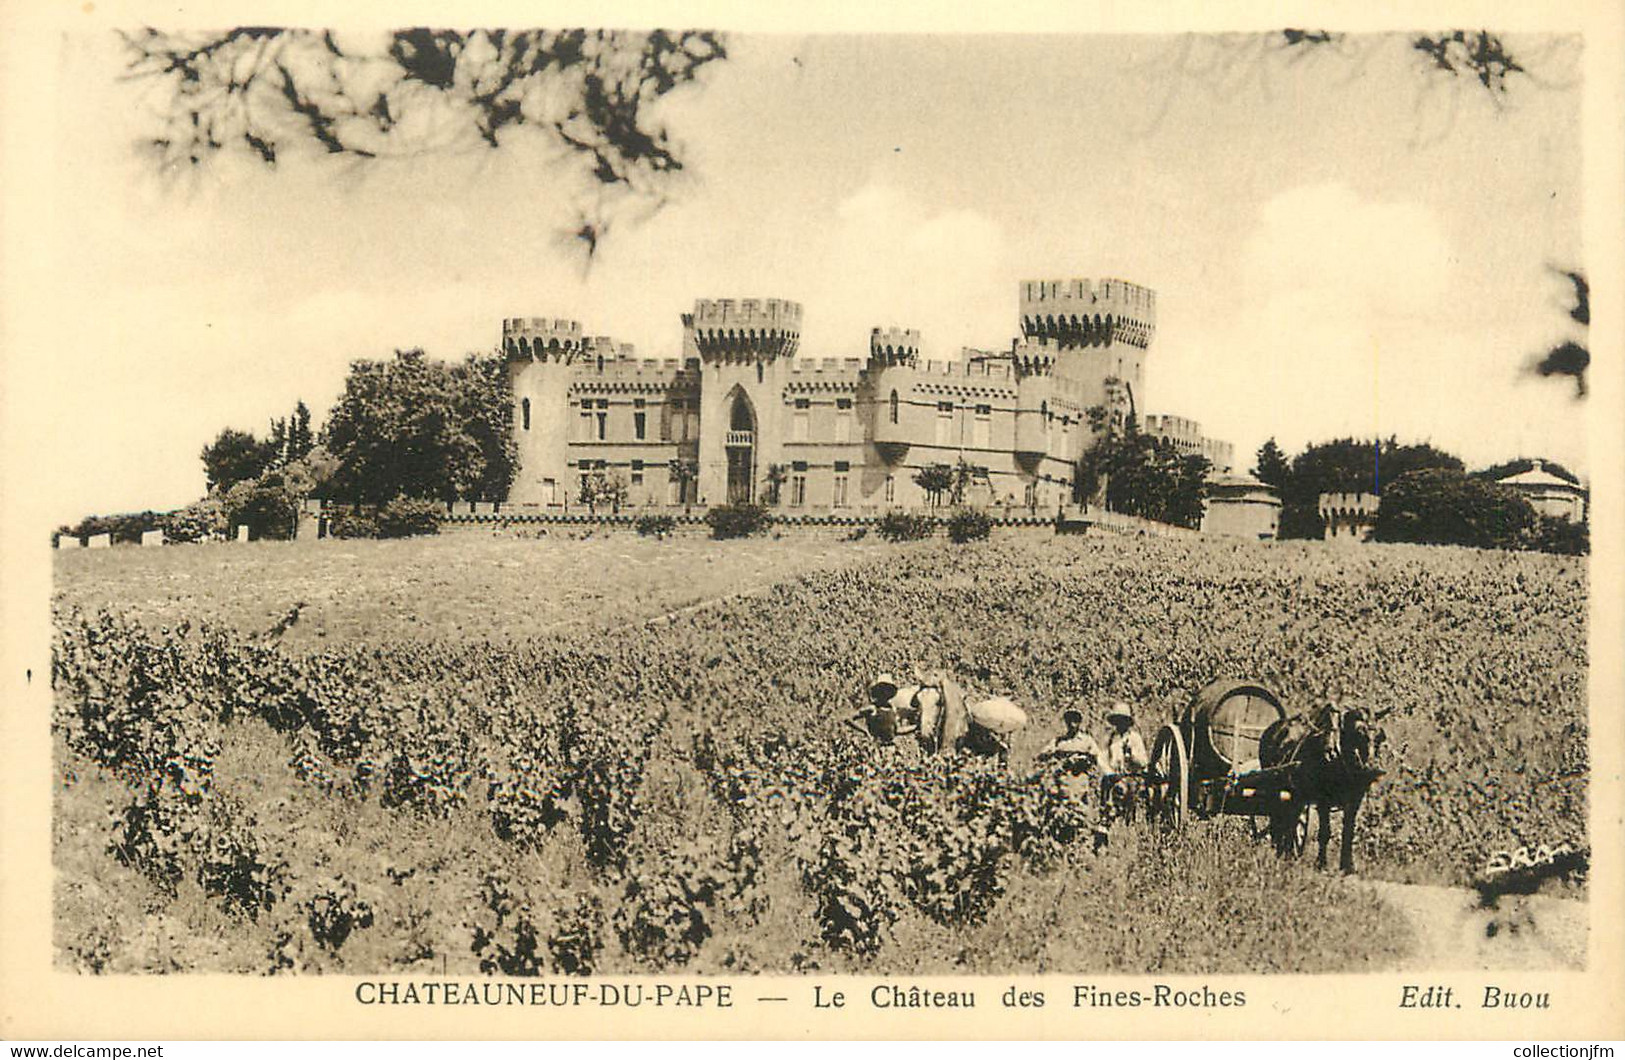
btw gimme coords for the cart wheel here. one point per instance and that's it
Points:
(1170, 766)
(1301, 829)
(1296, 837)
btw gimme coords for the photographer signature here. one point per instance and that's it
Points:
(1521, 871)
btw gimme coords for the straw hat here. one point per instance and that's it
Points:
(883, 687)
(1120, 709)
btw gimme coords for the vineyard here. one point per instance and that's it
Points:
(605, 794)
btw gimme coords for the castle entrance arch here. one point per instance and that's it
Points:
(741, 447)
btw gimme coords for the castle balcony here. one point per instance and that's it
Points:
(740, 439)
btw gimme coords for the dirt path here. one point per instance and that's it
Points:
(1454, 933)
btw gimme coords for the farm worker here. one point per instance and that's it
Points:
(1122, 783)
(891, 710)
(1125, 747)
(1075, 749)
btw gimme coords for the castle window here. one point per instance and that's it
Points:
(984, 427)
(802, 426)
(798, 484)
(637, 403)
(586, 423)
(637, 472)
(603, 425)
(839, 500)
(758, 371)
(843, 420)
(891, 488)
(585, 465)
(945, 423)
(639, 424)
(524, 409)
(894, 406)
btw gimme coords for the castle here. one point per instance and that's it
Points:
(740, 417)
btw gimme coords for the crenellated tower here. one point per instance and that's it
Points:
(894, 347)
(742, 346)
(540, 353)
(745, 330)
(1101, 331)
(1081, 313)
(892, 417)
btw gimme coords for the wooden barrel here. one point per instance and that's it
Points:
(1226, 720)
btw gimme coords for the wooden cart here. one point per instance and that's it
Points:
(1205, 763)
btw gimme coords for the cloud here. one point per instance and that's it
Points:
(1344, 321)
(895, 260)
(1324, 249)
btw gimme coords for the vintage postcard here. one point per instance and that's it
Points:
(680, 521)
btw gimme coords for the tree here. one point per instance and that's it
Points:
(685, 473)
(1348, 465)
(1444, 506)
(267, 505)
(935, 480)
(963, 475)
(234, 456)
(599, 488)
(300, 438)
(202, 520)
(1272, 467)
(421, 428)
(269, 92)
(775, 479)
(1187, 493)
(1145, 476)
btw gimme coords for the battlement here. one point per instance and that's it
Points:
(607, 348)
(537, 336)
(894, 346)
(745, 313)
(826, 365)
(744, 329)
(1085, 313)
(1177, 428)
(979, 371)
(624, 368)
(1033, 357)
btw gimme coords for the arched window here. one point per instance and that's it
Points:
(524, 409)
(1043, 410)
(758, 371)
(894, 406)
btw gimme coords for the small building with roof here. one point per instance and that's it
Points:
(1550, 495)
(1241, 506)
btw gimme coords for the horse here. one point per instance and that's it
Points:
(1332, 764)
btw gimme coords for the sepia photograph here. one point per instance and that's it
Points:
(940, 524)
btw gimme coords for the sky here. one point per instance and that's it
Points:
(1341, 244)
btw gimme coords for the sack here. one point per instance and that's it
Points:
(998, 715)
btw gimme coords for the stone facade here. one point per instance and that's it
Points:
(753, 417)
(1348, 516)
